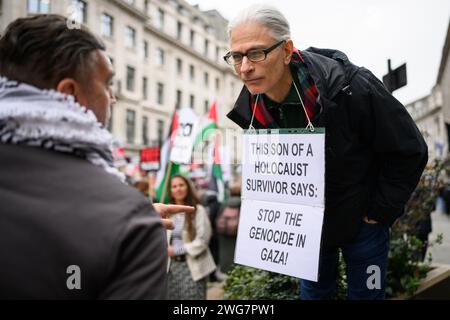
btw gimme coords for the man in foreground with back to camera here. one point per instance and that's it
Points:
(64, 208)
(374, 153)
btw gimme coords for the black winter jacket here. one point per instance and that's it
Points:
(56, 211)
(374, 153)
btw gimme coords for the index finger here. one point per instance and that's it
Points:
(175, 208)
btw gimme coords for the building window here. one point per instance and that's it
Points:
(192, 101)
(192, 72)
(437, 125)
(179, 30)
(145, 88)
(38, 6)
(206, 106)
(160, 93)
(179, 99)
(206, 79)
(145, 48)
(145, 131)
(209, 29)
(146, 6)
(160, 19)
(179, 66)
(192, 39)
(159, 57)
(80, 14)
(107, 25)
(131, 122)
(130, 37)
(110, 121)
(206, 52)
(217, 84)
(217, 53)
(235, 149)
(160, 132)
(130, 78)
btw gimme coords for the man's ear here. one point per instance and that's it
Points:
(288, 50)
(66, 86)
(70, 86)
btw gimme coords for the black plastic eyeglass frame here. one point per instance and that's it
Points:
(266, 52)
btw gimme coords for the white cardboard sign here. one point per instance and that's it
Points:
(279, 237)
(288, 168)
(283, 188)
(184, 141)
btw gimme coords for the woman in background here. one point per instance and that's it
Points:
(190, 260)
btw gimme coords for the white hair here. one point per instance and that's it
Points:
(267, 16)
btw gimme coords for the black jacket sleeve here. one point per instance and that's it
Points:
(140, 267)
(400, 151)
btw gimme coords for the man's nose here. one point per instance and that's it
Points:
(113, 98)
(246, 65)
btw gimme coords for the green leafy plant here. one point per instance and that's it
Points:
(246, 283)
(341, 285)
(405, 266)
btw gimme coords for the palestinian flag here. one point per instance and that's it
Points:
(209, 125)
(167, 167)
(216, 182)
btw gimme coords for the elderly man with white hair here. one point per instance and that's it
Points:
(374, 152)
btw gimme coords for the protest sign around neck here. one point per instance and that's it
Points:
(283, 188)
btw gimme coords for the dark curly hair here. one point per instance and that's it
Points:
(42, 50)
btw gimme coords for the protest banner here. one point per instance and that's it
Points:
(182, 147)
(283, 188)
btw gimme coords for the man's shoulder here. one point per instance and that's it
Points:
(75, 211)
(365, 82)
(66, 178)
(74, 194)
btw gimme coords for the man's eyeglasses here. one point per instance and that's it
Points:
(255, 55)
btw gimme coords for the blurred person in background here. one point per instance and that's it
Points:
(190, 260)
(227, 222)
(212, 205)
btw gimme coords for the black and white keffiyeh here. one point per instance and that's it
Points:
(54, 121)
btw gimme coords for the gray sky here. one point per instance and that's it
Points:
(368, 31)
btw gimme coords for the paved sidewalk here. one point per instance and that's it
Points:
(440, 224)
(215, 291)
